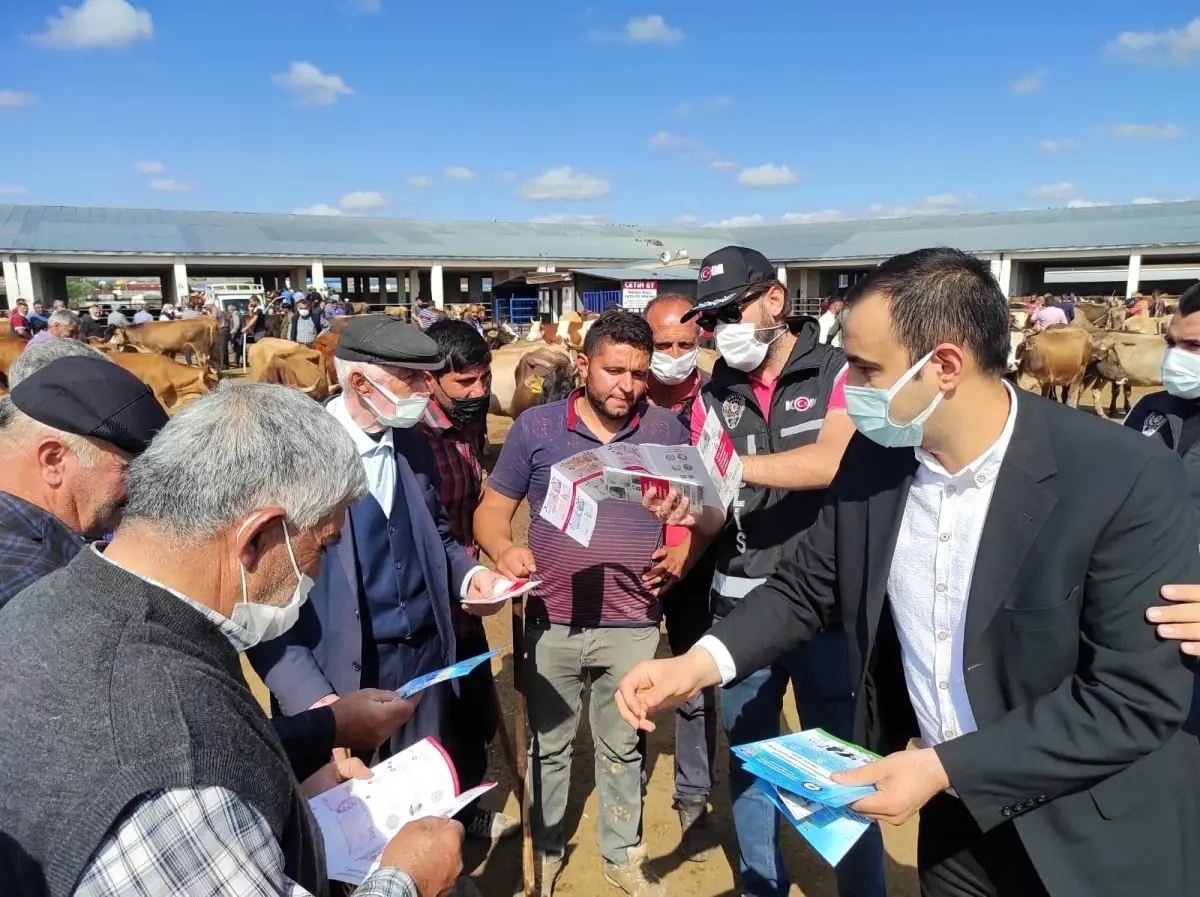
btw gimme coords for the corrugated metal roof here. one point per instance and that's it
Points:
(101, 230)
(675, 273)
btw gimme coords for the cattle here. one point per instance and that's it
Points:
(282, 361)
(518, 374)
(1056, 357)
(195, 336)
(568, 333)
(357, 308)
(501, 335)
(1142, 324)
(397, 311)
(10, 348)
(325, 344)
(1126, 360)
(172, 383)
(1107, 315)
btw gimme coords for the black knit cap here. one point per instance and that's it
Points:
(381, 339)
(92, 397)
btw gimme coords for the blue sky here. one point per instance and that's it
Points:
(694, 112)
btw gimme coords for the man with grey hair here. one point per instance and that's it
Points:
(61, 324)
(169, 778)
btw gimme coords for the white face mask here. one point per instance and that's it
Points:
(870, 408)
(263, 622)
(741, 349)
(671, 371)
(1181, 374)
(408, 411)
(303, 312)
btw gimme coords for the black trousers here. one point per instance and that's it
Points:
(955, 859)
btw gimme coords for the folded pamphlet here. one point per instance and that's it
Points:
(359, 817)
(504, 590)
(445, 674)
(831, 831)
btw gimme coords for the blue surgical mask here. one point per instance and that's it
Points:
(870, 409)
(1181, 373)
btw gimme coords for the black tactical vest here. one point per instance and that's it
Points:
(764, 525)
(1160, 415)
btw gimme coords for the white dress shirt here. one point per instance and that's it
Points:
(929, 583)
(379, 461)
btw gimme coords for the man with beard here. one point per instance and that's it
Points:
(593, 616)
(455, 428)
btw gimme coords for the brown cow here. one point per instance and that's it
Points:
(10, 348)
(325, 344)
(1056, 357)
(1126, 360)
(197, 336)
(282, 361)
(172, 383)
(518, 374)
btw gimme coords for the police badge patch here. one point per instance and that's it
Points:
(731, 409)
(1153, 423)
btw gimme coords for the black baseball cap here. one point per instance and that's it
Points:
(92, 397)
(382, 339)
(726, 276)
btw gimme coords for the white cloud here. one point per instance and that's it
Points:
(421, 182)
(1052, 191)
(1146, 132)
(686, 219)
(568, 218)
(149, 167)
(822, 217)
(458, 173)
(1174, 46)
(15, 99)
(767, 176)
(1086, 204)
(319, 208)
(565, 183)
(687, 107)
(13, 191)
(1031, 83)
(362, 201)
(739, 221)
(506, 176)
(667, 140)
(311, 86)
(720, 102)
(1146, 201)
(721, 164)
(170, 185)
(652, 30)
(96, 24)
(1057, 146)
(938, 204)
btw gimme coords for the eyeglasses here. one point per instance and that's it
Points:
(732, 313)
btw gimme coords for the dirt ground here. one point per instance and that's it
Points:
(496, 869)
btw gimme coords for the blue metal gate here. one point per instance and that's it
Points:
(514, 310)
(598, 301)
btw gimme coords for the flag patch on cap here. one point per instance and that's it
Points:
(712, 271)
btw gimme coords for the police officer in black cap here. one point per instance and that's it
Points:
(67, 433)
(379, 613)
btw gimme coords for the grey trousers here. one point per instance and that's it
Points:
(558, 662)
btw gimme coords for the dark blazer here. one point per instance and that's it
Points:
(1078, 703)
(322, 653)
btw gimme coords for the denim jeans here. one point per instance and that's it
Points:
(558, 662)
(820, 677)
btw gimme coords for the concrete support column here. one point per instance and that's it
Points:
(414, 285)
(296, 280)
(437, 287)
(1134, 276)
(994, 264)
(318, 275)
(781, 275)
(400, 275)
(175, 287)
(29, 286)
(10, 284)
(1004, 277)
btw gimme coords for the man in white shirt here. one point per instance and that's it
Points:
(994, 554)
(830, 321)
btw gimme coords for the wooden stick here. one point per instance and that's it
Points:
(519, 738)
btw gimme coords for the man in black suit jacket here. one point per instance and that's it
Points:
(993, 554)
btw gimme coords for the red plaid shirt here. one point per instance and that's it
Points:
(458, 453)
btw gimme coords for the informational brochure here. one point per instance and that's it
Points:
(831, 831)
(445, 674)
(708, 475)
(359, 817)
(505, 589)
(802, 763)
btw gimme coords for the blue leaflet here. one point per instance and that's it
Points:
(445, 674)
(801, 763)
(831, 831)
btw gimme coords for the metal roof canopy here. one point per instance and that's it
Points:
(68, 229)
(677, 273)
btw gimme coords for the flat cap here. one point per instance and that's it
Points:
(92, 397)
(382, 339)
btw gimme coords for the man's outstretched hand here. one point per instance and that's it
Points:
(655, 685)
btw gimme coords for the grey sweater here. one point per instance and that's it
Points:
(111, 688)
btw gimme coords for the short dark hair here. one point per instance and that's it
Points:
(460, 345)
(943, 295)
(621, 327)
(1189, 302)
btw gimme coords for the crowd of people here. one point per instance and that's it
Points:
(924, 553)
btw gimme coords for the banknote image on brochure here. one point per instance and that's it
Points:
(708, 475)
(358, 817)
(803, 762)
(445, 674)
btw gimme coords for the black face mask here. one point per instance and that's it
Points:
(467, 411)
